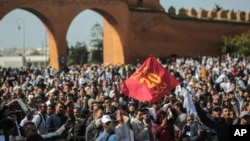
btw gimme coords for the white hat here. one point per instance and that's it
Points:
(90, 101)
(244, 113)
(106, 118)
(87, 88)
(16, 88)
(30, 96)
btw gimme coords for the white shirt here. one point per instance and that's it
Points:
(42, 129)
(226, 86)
(222, 78)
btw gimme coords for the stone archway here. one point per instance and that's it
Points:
(134, 29)
(57, 15)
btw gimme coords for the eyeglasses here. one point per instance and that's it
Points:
(190, 119)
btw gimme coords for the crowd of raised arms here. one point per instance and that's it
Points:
(84, 103)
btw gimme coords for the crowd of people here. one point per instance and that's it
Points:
(85, 102)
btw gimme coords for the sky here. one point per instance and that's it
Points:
(31, 33)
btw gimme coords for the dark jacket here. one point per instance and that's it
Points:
(220, 126)
(55, 121)
(77, 130)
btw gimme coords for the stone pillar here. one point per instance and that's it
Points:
(202, 14)
(171, 11)
(192, 12)
(211, 14)
(183, 12)
(221, 15)
(58, 46)
(248, 17)
(231, 15)
(240, 16)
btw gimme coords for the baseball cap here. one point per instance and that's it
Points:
(106, 118)
(90, 101)
(216, 108)
(131, 103)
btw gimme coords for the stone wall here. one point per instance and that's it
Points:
(134, 29)
(225, 15)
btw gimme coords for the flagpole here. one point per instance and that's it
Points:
(182, 86)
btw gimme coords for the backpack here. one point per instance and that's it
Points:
(40, 122)
(112, 133)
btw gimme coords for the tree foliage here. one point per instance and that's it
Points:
(78, 54)
(36, 52)
(217, 8)
(96, 44)
(237, 45)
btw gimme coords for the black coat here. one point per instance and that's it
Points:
(219, 126)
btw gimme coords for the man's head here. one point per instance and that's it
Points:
(244, 118)
(107, 102)
(84, 114)
(69, 97)
(50, 109)
(248, 106)
(51, 96)
(145, 114)
(60, 107)
(106, 119)
(216, 112)
(95, 105)
(225, 112)
(76, 112)
(190, 119)
(42, 107)
(138, 114)
(85, 99)
(29, 128)
(90, 103)
(98, 113)
(131, 106)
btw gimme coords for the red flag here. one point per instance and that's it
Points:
(150, 82)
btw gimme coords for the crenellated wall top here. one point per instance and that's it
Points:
(224, 15)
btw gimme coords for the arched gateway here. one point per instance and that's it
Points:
(133, 29)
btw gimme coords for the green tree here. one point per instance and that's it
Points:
(78, 54)
(36, 52)
(96, 44)
(217, 8)
(237, 45)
